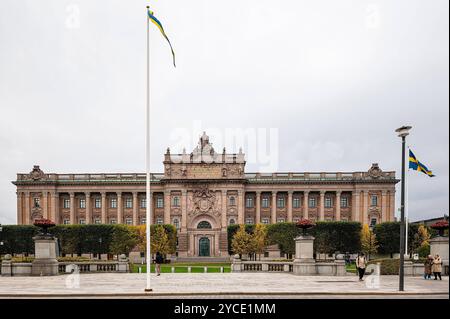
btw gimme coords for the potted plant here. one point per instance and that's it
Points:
(44, 224)
(440, 226)
(305, 224)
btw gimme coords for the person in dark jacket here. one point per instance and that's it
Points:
(158, 261)
(428, 265)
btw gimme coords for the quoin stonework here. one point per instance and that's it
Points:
(203, 192)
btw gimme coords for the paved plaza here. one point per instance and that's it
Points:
(224, 285)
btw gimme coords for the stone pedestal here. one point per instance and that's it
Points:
(304, 263)
(439, 246)
(6, 265)
(236, 265)
(45, 263)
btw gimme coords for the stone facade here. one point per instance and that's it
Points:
(203, 192)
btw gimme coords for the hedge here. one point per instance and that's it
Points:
(330, 237)
(388, 237)
(391, 266)
(78, 239)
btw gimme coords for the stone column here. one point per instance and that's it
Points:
(135, 208)
(355, 206)
(167, 207)
(45, 204)
(305, 204)
(27, 208)
(119, 208)
(72, 208)
(87, 195)
(104, 218)
(391, 205)
(184, 203)
(273, 214)
(289, 207)
(338, 205)
(322, 206)
(258, 207)
(365, 212)
(241, 207)
(384, 210)
(55, 205)
(19, 208)
(224, 209)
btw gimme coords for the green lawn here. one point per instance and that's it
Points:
(351, 267)
(183, 267)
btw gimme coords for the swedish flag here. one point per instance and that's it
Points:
(160, 27)
(414, 164)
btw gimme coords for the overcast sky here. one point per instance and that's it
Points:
(332, 79)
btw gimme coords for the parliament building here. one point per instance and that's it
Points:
(203, 192)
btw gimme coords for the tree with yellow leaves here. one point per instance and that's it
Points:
(242, 242)
(369, 244)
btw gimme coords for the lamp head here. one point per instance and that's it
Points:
(403, 131)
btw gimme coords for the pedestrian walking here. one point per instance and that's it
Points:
(436, 268)
(361, 263)
(427, 267)
(158, 261)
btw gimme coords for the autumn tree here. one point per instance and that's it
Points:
(242, 242)
(259, 239)
(369, 243)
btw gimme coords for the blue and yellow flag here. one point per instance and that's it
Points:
(160, 27)
(414, 164)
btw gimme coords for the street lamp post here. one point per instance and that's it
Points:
(402, 132)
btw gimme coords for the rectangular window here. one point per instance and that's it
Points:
(280, 220)
(312, 202)
(82, 221)
(344, 202)
(97, 221)
(143, 203)
(143, 221)
(265, 221)
(249, 202)
(374, 200)
(66, 203)
(280, 202)
(128, 202)
(296, 202)
(98, 203)
(113, 202)
(296, 219)
(37, 202)
(176, 201)
(176, 223)
(232, 201)
(66, 221)
(328, 202)
(128, 221)
(82, 203)
(249, 221)
(159, 202)
(265, 202)
(159, 221)
(344, 219)
(113, 221)
(373, 222)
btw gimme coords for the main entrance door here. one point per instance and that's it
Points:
(203, 247)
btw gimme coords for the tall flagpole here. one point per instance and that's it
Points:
(147, 162)
(406, 201)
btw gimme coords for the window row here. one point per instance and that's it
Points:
(297, 203)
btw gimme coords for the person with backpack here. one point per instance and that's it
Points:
(361, 263)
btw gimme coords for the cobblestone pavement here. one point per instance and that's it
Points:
(224, 285)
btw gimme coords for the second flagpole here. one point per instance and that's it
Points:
(147, 163)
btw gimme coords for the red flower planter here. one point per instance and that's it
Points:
(44, 224)
(305, 224)
(440, 227)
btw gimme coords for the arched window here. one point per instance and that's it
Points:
(204, 224)
(232, 221)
